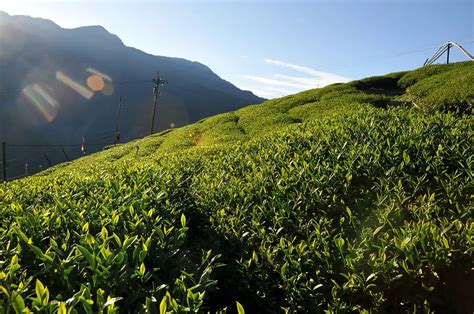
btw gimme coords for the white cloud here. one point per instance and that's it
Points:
(263, 92)
(283, 91)
(268, 91)
(273, 82)
(280, 84)
(319, 74)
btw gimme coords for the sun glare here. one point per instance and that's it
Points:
(77, 87)
(99, 81)
(42, 101)
(96, 83)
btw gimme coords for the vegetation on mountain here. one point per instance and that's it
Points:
(353, 197)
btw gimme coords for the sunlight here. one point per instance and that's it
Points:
(240, 156)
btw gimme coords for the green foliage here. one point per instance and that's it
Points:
(320, 201)
(441, 87)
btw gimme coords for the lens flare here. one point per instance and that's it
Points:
(78, 88)
(108, 89)
(42, 101)
(102, 75)
(99, 81)
(96, 83)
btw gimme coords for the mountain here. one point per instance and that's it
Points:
(60, 85)
(355, 197)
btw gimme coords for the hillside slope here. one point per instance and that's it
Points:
(45, 89)
(353, 197)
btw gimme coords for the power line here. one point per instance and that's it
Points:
(132, 82)
(27, 162)
(56, 145)
(65, 154)
(18, 165)
(47, 159)
(369, 59)
(82, 146)
(157, 83)
(446, 48)
(18, 177)
(374, 58)
(109, 132)
(6, 164)
(19, 90)
(103, 137)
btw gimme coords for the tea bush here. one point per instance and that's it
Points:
(320, 201)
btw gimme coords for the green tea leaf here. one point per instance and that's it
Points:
(88, 256)
(240, 308)
(163, 305)
(183, 220)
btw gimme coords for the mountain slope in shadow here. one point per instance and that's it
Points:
(60, 85)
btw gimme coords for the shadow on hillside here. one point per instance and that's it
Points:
(387, 87)
(232, 285)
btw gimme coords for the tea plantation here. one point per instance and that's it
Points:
(355, 197)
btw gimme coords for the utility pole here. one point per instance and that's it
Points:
(117, 133)
(447, 48)
(447, 53)
(156, 86)
(4, 160)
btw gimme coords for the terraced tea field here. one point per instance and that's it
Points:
(355, 197)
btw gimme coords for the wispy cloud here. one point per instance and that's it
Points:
(324, 76)
(273, 82)
(281, 84)
(281, 90)
(268, 91)
(262, 92)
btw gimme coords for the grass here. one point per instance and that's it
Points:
(352, 197)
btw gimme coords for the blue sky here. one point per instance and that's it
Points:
(276, 47)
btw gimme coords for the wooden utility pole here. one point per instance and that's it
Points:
(156, 86)
(4, 160)
(117, 132)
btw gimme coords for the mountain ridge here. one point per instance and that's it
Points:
(53, 64)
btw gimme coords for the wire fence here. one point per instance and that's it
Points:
(49, 154)
(39, 157)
